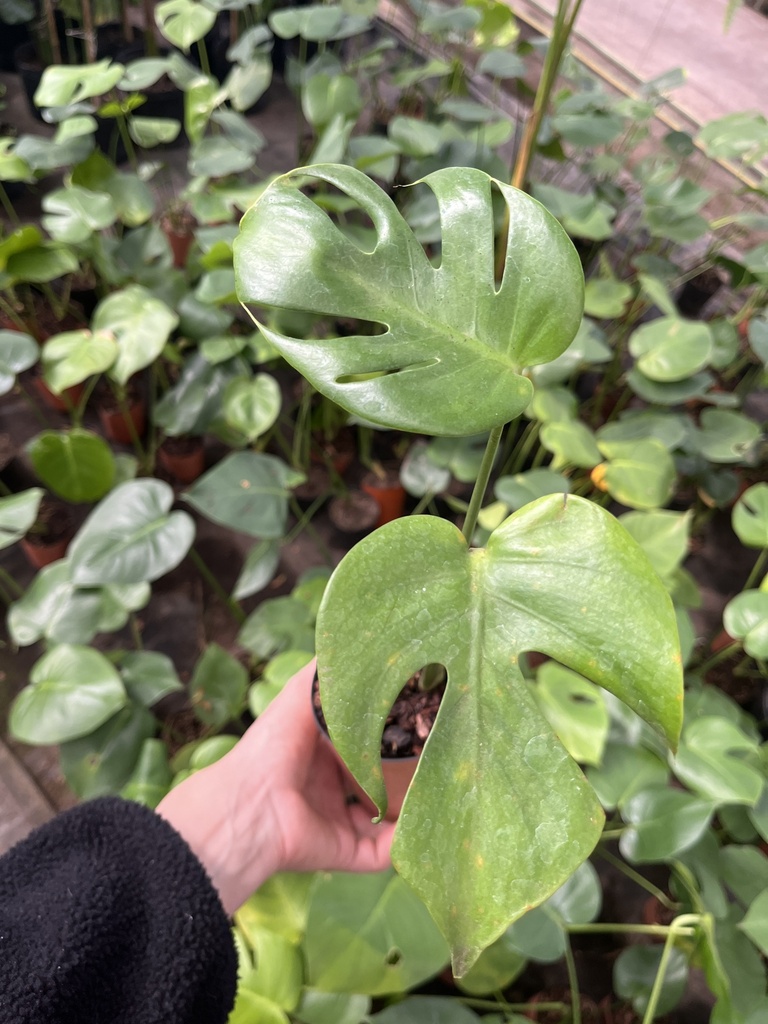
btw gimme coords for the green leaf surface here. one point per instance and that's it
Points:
(750, 517)
(194, 403)
(634, 975)
(625, 771)
(153, 131)
(17, 513)
(318, 1007)
(247, 491)
(662, 535)
(184, 22)
(69, 358)
(75, 464)
(370, 934)
(218, 686)
(131, 537)
(755, 924)
(17, 353)
(662, 823)
(606, 298)
(575, 709)
(670, 349)
(140, 324)
(151, 778)
(745, 871)
(258, 569)
(571, 442)
(72, 691)
(149, 676)
(674, 393)
(426, 1010)
(280, 624)
(418, 473)
(279, 968)
(281, 903)
(727, 436)
(251, 406)
(640, 474)
(746, 619)
(449, 334)
(66, 84)
(516, 491)
(757, 335)
(711, 761)
(72, 214)
(475, 612)
(101, 763)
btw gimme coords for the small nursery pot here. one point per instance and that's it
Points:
(117, 424)
(51, 540)
(353, 515)
(59, 403)
(388, 494)
(182, 457)
(397, 771)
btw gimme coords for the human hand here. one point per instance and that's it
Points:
(277, 802)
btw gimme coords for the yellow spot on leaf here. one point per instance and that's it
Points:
(479, 861)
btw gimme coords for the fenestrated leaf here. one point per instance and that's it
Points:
(711, 762)
(55, 609)
(663, 822)
(575, 709)
(184, 22)
(671, 349)
(149, 676)
(62, 85)
(251, 405)
(17, 513)
(750, 517)
(746, 619)
(75, 464)
(131, 537)
(71, 357)
(73, 214)
(450, 335)
(218, 686)
(550, 580)
(72, 691)
(140, 324)
(102, 762)
(17, 353)
(369, 934)
(247, 491)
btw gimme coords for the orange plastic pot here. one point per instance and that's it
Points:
(185, 466)
(59, 403)
(40, 555)
(180, 243)
(388, 493)
(117, 424)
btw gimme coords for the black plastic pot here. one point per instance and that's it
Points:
(696, 293)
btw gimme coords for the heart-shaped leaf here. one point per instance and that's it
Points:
(17, 353)
(131, 537)
(662, 823)
(247, 491)
(639, 474)
(258, 569)
(184, 22)
(71, 357)
(101, 763)
(149, 676)
(140, 324)
(449, 334)
(280, 624)
(746, 618)
(17, 513)
(625, 771)
(516, 491)
(755, 924)
(252, 405)
(72, 691)
(571, 442)
(750, 517)
(75, 464)
(551, 580)
(727, 436)
(670, 349)
(711, 761)
(153, 131)
(662, 535)
(218, 687)
(635, 977)
(55, 609)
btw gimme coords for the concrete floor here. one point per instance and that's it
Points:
(726, 71)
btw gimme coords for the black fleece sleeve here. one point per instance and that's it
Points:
(107, 917)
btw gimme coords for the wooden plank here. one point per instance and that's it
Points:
(23, 806)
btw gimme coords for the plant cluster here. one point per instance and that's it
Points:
(445, 328)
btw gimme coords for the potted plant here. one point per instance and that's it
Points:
(415, 592)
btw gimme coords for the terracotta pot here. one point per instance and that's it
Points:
(388, 493)
(40, 555)
(116, 424)
(184, 463)
(180, 243)
(60, 403)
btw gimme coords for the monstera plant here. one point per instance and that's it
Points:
(498, 815)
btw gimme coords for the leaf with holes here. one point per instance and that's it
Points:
(75, 464)
(17, 513)
(72, 691)
(131, 536)
(552, 579)
(448, 334)
(247, 491)
(575, 709)
(72, 214)
(184, 22)
(714, 761)
(139, 323)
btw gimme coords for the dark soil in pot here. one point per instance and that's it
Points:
(182, 457)
(316, 485)
(697, 292)
(49, 537)
(353, 515)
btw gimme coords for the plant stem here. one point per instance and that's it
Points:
(425, 500)
(136, 632)
(573, 982)
(234, 607)
(320, 544)
(612, 833)
(490, 1004)
(627, 929)
(481, 483)
(8, 207)
(723, 655)
(756, 569)
(638, 879)
(11, 583)
(204, 63)
(304, 519)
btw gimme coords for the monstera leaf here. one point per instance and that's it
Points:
(498, 815)
(446, 335)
